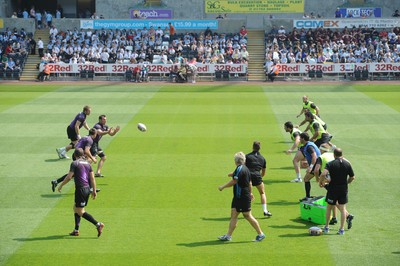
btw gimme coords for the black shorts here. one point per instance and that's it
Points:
(256, 180)
(312, 170)
(241, 205)
(324, 139)
(97, 150)
(72, 134)
(336, 195)
(82, 196)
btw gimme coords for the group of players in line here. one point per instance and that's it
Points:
(87, 148)
(313, 152)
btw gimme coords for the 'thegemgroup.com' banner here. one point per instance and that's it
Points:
(254, 6)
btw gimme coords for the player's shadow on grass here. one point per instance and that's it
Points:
(283, 168)
(210, 243)
(55, 237)
(220, 219)
(54, 195)
(52, 160)
(282, 203)
(276, 181)
(295, 235)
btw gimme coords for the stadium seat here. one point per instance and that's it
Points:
(357, 74)
(16, 74)
(218, 75)
(8, 73)
(90, 74)
(365, 74)
(225, 75)
(83, 74)
(128, 75)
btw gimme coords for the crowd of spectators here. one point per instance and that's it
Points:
(145, 45)
(14, 47)
(321, 45)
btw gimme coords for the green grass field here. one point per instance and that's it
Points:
(160, 201)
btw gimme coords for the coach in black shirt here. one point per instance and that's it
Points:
(338, 173)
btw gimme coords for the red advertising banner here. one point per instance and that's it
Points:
(153, 68)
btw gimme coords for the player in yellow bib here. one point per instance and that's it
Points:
(310, 106)
(298, 160)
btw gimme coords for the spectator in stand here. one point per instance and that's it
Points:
(105, 56)
(338, 14)
(58, 14)
(9, 49)
(53, 31)
(396, 13)
(282, 30)
(244, 54)
(243, 32)
(39, 19)
(32, 12)
(49, 19)
(40, 47)
(95, 16)
(349, 14)
(25, 14)
(172, 31)
(10, 64)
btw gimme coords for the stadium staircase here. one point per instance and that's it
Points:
(30, 71)
(256, 49)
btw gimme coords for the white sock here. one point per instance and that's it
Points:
(264, 206)
(298, 175)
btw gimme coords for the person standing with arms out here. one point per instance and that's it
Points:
(85, 144)
(102, 129)
(242, 197)
(339, 174)
(298, 160)
(73, 131)
(311, 153)
(310, 106)
(257, 166)
(82, 173)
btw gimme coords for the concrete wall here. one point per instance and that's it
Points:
(27, 24)
(194, 9)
